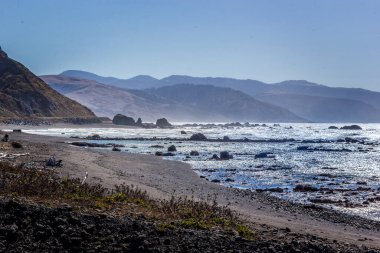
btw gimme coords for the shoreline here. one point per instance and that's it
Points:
(161, 177)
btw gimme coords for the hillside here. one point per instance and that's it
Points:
(309, 100)
(108, 101)
(137, 82)
(229, 103)
(325, 109)
(216, 104)
(22, 94)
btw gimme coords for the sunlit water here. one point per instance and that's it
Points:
(354, 176)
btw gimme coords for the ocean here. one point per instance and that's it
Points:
(305, 163)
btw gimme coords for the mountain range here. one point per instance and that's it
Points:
(180, 102)
(309, 101)
(24, 95)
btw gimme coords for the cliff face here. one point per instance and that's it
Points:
(22, 94)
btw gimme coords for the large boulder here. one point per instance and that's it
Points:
(172, 148)
(121, 119)
(163, 123)
(225, 155)
(198, 137)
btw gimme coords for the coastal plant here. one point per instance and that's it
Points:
(47, 187)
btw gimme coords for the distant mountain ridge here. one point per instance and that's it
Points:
(197, 102)
(348, 104)
(22, 94)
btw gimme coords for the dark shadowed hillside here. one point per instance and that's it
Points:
(232, 104)
(22, 94)
(324, 109)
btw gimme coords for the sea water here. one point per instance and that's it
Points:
(345, 174)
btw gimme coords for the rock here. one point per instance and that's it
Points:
(215, 157)
(168, 154)
(226, 138)
(157, 146)
(158, 153)
(5, 138)
(94, 137)
(264, 155)
(198, 137)
(352, 127)
(333, 127)
(194, 153)
(120, 119)
(139, 122)
(17, 130)
(163, 123)
(215, 181)
(225, 155)
(351, 140)
(172, 148)
(305, 188)
(116, 149)
(183, 132)
(16, 144)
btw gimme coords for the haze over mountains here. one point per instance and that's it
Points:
(310, 101)
(181, 102)
(22, 94)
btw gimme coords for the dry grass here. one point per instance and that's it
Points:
(45, 186)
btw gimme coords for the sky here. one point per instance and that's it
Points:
(331, 42)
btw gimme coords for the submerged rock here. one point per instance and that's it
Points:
(183, 132)
(168, 154)
(305, 188)
(264, 155)
(194, 153)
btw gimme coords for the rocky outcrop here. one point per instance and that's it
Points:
(139, 123)
(121, 119)
(163, 123)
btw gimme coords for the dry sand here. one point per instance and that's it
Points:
(162, 178)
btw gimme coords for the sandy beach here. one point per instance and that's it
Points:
(162, 179)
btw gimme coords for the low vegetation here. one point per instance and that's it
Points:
(45, 186)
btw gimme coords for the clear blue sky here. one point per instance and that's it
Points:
(334, 42)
